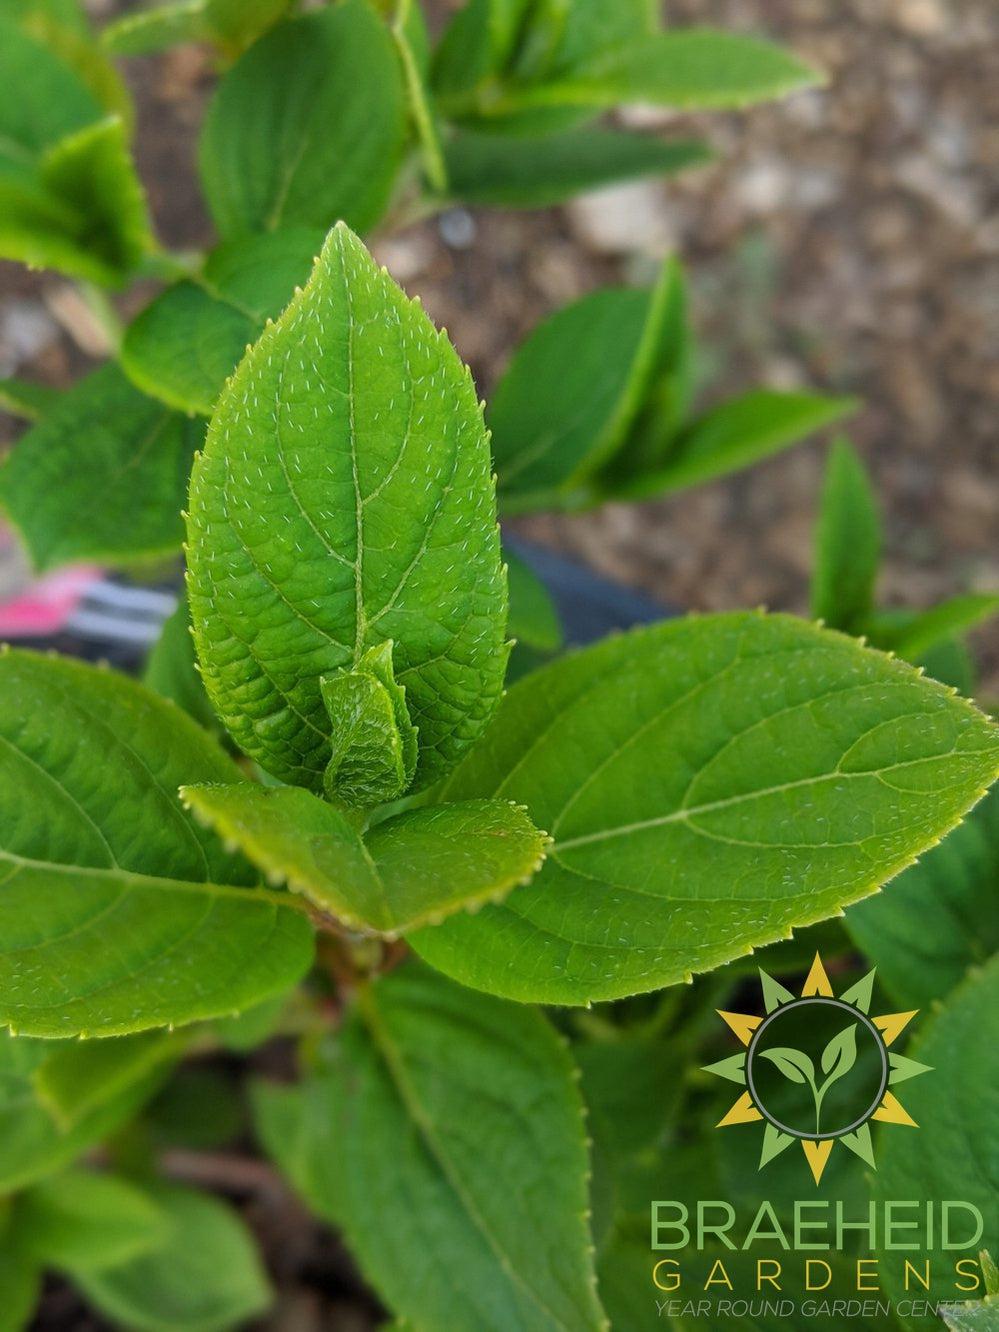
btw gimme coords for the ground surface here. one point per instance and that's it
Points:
(847, 239)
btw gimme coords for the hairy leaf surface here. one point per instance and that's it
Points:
(709, 784)
(344, 501)
(308, 126)
(412, 868)
(117, 912)
(184, 346)
(437, 1095)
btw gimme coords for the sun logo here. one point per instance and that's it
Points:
(817, 1069)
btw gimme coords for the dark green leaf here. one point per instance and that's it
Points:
(79, 1077)
(308, 126)
(415, 867)
(185, 345)
(344, 501)
(848, 543)
(24, 398)
(938, 918)
(172, 671)
(468, 1108)
(710, 784)
(508, 172)
(117, 912)
(533, 618)
(206, 1277)
(102, 476)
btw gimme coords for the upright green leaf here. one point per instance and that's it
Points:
(510, 172)
(479, 42)
(697, 67)
(308, 126)
(184, 346)
(848, 543)
(937, 919)
(409, 32)
(82, 1221)
(957, 1109)
(914, 635)
(344, 501)
(741, 431)
(572, 390)
(415, 867)
(117, 913)
(206, 1276)
(435, 1094)
(709, 784)
(102, 476)
(373, 741)
(33, 1143)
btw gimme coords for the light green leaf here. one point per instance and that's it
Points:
(32, 1143)
(794, 1064)
(415, 867)
(184, 346)
(741, 431)
(912, 636)
(102, 476)
(710, 784)
(973, 1316)
(344, 500)
(957, 1110)
(172, 671)
(563, 37)
(232, 25)
(81, 1221)
(840, 1054)
(78, 208)
(509, 172)
(44, 98)
(533, 618)
(698, 67)
(373, 742)
(79, 1077)
(848, 543)
(117, 913)
(308, 126)
(206, 1277)
(26, 399)
(479, 42)
(435, 1094)
(938, 918)
(572, 390)
(409, 32)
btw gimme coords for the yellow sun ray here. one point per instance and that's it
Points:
(743, 1024)
(892, 1111)
(817, 982)
(817, 1154)
(891, 1025)
(743, 1112)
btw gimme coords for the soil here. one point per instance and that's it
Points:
(847, 239)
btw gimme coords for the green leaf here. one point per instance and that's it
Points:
(794, 1064)
(79, 209)
(24, 398)
(20, 1283)
(415, 867)
(435, 1094)
(44, 98)
(912, 636)
(206, 1277)
(232, 25)
(479, 42)
(533, 618)
(740, 432)
(958, 1113)
(409, 32)
(102, 476)
(185, 345)
(32, 1143)
(848, 543)
(696, 68)
(344, 501)
(973, 1316)
(512, 172)
(710, 784)
(308, 126)
(840, 1054)
(81, 1221)
(373, 742)
(81, 1076)
(572, 390)
(937, 919)
(562, 37)
(172, 671)
(117, 912)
